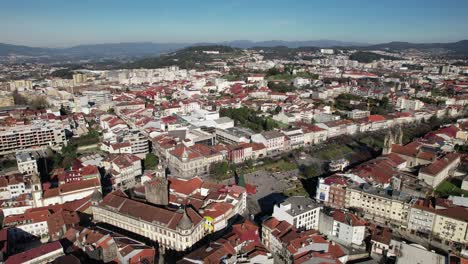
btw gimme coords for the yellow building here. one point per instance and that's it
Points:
(451, 224)
(21, 85)
(6, 99)
(79, 78)
(378, 205)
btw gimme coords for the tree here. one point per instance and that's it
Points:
(19, 99)
(220, 169)
(310, 171)
(151, 161)
(241, 180)
(281, 87)
(277, 110)
(64, 110)
(67, 156)
(39, 103)
(272, 71)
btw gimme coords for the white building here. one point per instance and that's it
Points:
(344, 227)
(407, 104)
(31, 224)
(123, 170)
(26, 163)
(300, 82)
(327, 51)
(421, 217)
(299, 211)
(358, 114)
(434, 173)
(273, 140)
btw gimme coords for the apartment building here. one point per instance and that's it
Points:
(421, 217)
(358, 114)
(123, 170)
(37, 134)
(273, 140)
(233, 135)
(379, 205)
(299, 211)
(451, 224)
(407, 104)
(27, 225)
(295, 136)
(12, 186)
(27, 164)
(139, 143)
(343, 227)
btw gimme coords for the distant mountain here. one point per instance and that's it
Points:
(144, 49)
(186, 58)
(246, 44)
(7, 49)
(124, 49)
(460, 47)
(101, 50)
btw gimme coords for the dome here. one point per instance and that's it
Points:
(185, 223)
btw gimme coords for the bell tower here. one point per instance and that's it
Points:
(388, 142)
(36, 188)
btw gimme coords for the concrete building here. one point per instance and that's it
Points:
(327, 51)
(378, 205)
(295, 136)
(451, 224)
(123, 170)
(36, 134)
(233, 135)
(414, 253)
(21, 85)
(407, 104)
(139, 143)
(343, 227)
(299, 211)
(358, 114)
(27, 164)
(421, 217)
(273, 140)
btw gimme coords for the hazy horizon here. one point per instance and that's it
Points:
(54, 23)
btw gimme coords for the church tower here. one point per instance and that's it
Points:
(388, 142)
(399, 138)
(157, 191)
(36, 188)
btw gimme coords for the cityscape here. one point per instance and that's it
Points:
(234, 132)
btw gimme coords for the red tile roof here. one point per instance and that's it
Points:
(34, 253)
(439, 165)
(148, 212)
(348, 218)
(185, 187)
(376, 118)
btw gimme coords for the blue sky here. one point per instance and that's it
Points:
(57, 23)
